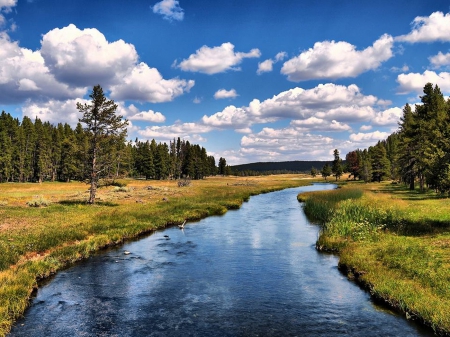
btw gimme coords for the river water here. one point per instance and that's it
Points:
(251, 272)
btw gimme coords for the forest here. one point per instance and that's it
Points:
(419, 152)
(36, 151)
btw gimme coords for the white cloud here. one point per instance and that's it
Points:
(435, 27)
(284, 144)
(188, 131)
(55, 111)
(24, 75)
(403, 69)
(222, 93)
(85, 58)
(365, 127)
(280, 56)
(370, 136)
(230, 117)
(133, 113)
(314, 123)
(326, 101)
(265, 66)
(146, 84)
(71, 61)
(440, 60)
(332, 60)
(414, 82)
(197, 100)
(216, 59)
(5, 6)
(169, 9)
(388, 117)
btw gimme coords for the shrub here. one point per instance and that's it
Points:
(38, 201)
(184, 182)
(121, 189)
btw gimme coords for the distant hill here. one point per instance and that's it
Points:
(291, 166)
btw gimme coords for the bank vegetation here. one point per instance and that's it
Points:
(394, 241)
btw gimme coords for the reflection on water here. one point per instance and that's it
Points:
(251, 272)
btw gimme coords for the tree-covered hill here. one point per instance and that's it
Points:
(297, 166)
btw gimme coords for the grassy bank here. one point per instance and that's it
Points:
(36, 242)
(394, 241)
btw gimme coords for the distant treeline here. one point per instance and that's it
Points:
(266, 168)
(39, 151)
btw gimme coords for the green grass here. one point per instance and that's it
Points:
(38, 241)
(394, 241)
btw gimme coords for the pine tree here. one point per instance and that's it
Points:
(326, 171)
(101, 123)
(336, 167)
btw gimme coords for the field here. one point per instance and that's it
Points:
(46, 227)
(393, 241)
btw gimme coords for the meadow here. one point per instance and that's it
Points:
(393, 241)
(46, 227)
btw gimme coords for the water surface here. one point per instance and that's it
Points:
(251, 272)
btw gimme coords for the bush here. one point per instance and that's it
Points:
(184, 182)
(38, 201)
(121, 189)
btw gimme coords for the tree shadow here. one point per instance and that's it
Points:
(418, 228)
(407, 194)
(85, 203)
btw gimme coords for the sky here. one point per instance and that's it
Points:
(251, 81)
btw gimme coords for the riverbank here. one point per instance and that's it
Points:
(36, 242)
(392, 241)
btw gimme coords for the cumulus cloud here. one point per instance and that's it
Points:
(188, 131)
(314, 123)
(133, 113)
(326, 101)
(372, 137)
(414, 82)
(71, 61)
(146, 84)
(24, 75)
(83, 57)
(332, 60)
(365, 127)
(435, 27)
(222, 93)
(267, 65)
(403, 69)
(216, 59)
(55, 111)
(5, 7)
(388, 117)
(283, 144)
(169, 9)
(440, 60)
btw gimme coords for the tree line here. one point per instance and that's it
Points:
(36, 151)
(417, 153)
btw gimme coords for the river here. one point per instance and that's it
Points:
(250, 272)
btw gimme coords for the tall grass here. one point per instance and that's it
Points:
(321, 206)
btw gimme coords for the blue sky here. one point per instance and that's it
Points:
(250, 80)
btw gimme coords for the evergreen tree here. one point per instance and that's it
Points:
(326, 171)
(379, 162)
(336, 167)
(101, 123)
